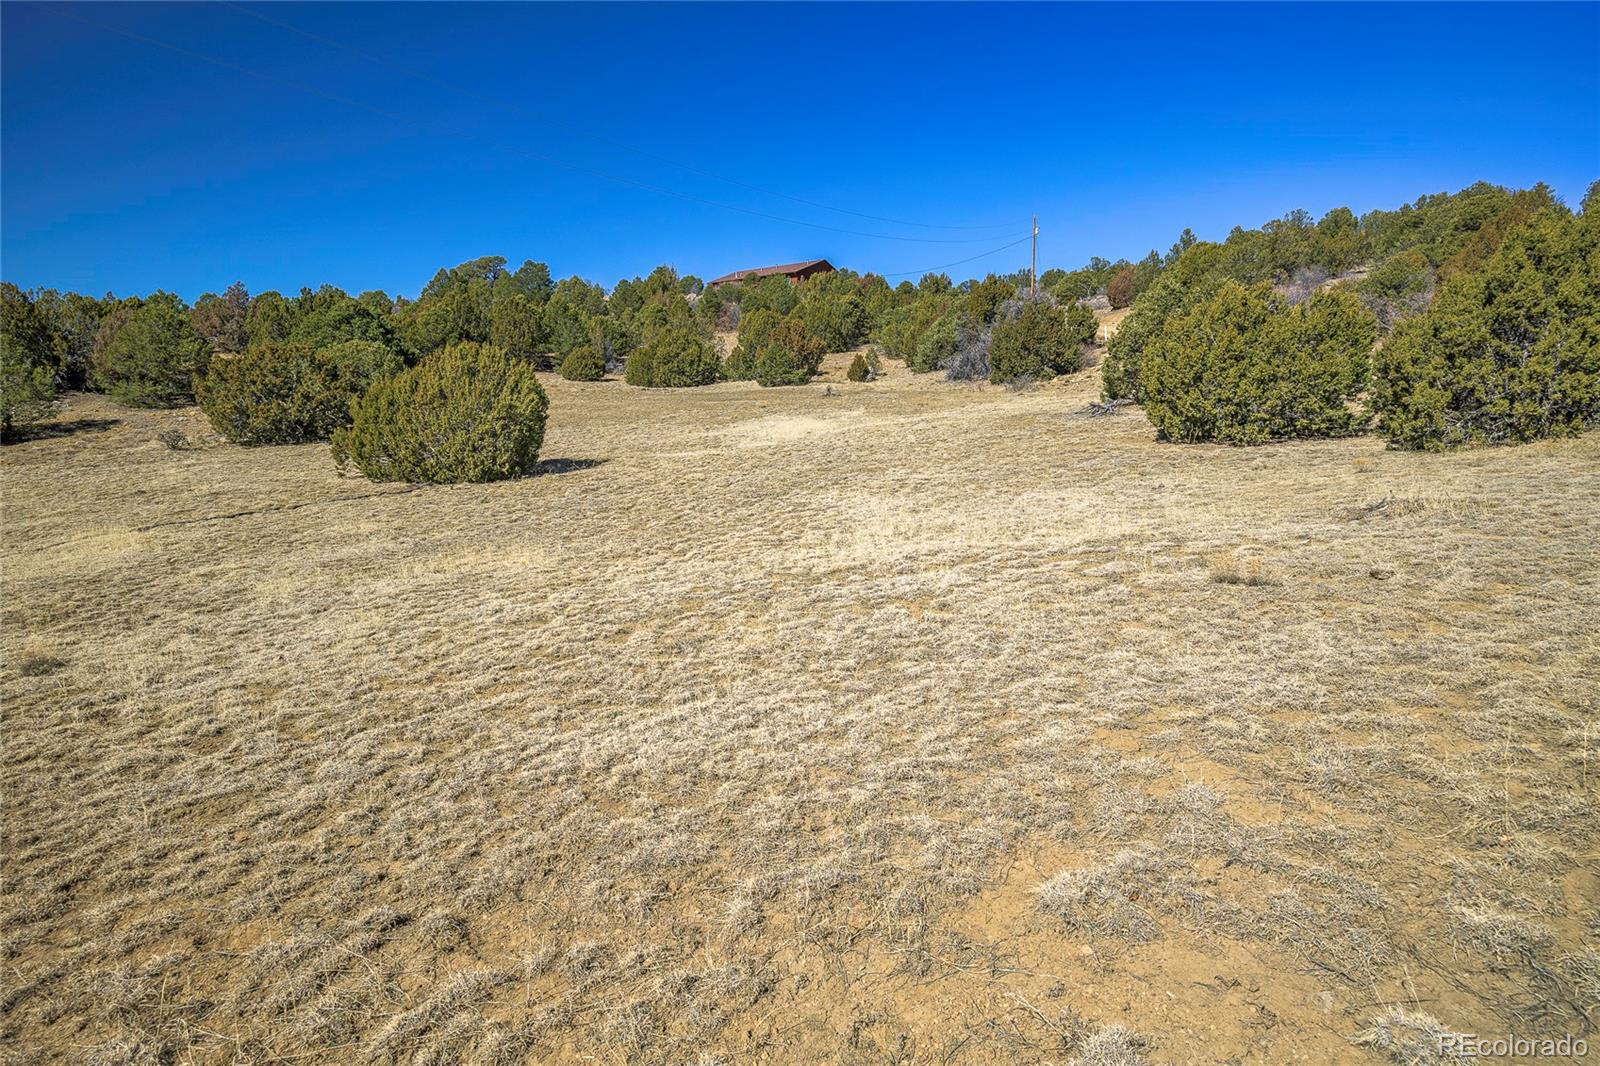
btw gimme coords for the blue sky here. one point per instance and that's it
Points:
(414, 136)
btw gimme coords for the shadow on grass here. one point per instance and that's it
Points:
(567, 466)
(51, 430)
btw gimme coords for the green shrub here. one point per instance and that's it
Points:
(1081, 324)
(1398, 288)
(27, 389)
(455, 314)
(985, 298)
(806, 348)
(377, 301)
(360, 363)
(1442, 224)
(1145, 272)
(1480, 245)
(517, 324)
(268, 319)
(1506, 355)
(33, 355)
(585, 363)
(879, 300)
(773, 293)
(859, 371)
(1031, 340)
(24, 327)
(1192, 278)
(709, 309)
(468, 412)
(154, 357)
(938, 343)
(776, 364)
(287, 393)
(674, 356)
(616, 337)
(1337, 243)
(328, 317)
(1244, 368)
(72, 320)
(754, 328)
(774, 351)
(567, 325)
(902, 327)
(839, 321)
(740, 365)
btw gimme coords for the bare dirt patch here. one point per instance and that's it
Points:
(886, 722)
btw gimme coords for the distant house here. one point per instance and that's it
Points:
(795, 272)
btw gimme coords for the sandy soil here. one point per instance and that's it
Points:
(893, 722)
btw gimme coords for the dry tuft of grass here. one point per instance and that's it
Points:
(1112, 899)
(32, 662)
(1410, 1038)
(906, 723)
(1110, 1046)
(1228, 569)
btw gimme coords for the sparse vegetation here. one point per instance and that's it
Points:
(419, 694)
(970, 359)
(1411, 1038)
(913, 723)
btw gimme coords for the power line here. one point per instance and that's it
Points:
(539, 156)
(557, 123)
(981, 255)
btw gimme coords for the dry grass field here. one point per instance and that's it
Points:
(902, 722)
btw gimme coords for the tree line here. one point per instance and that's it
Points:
(1474, 318)
(1461, 318)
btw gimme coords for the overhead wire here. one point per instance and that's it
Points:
(958, 262)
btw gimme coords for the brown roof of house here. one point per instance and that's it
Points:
(766, 272)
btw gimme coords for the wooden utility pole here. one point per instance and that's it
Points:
(1035, 255)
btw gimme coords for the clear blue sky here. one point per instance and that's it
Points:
(130, 166)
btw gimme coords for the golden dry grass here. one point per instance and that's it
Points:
(897, 722)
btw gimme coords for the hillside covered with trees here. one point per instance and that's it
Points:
(1465, 318)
